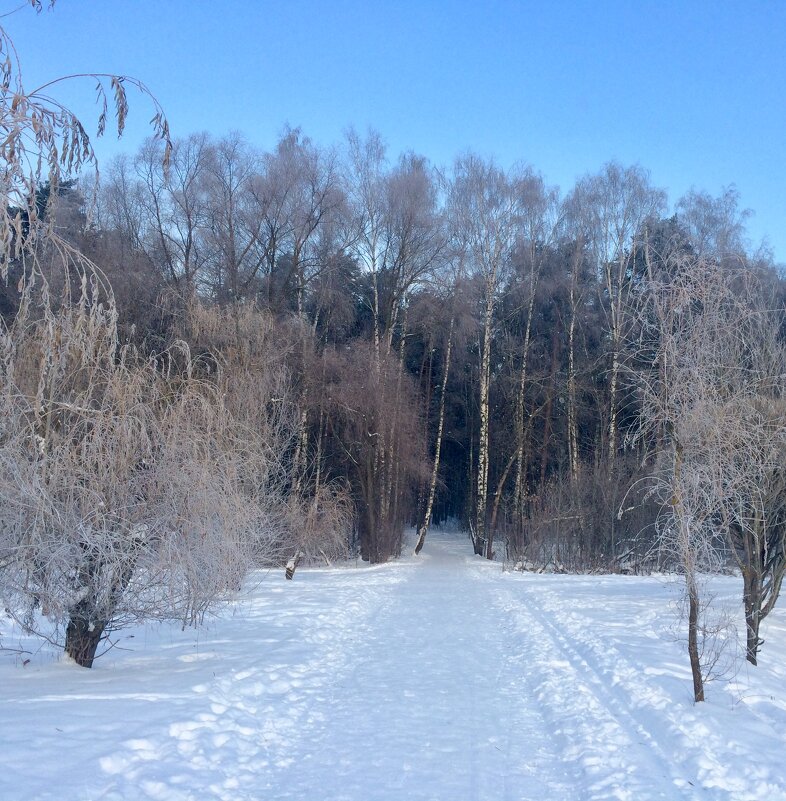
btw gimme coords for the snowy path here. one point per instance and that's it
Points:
(432, 678)
(433, 705)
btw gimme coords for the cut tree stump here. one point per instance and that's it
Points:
(292, 565)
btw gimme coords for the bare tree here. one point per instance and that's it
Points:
(46, 145)
(235, 236)
(484, 212)
(365, 191)
(432, 485)
(136, 489)
(360, 398)
(129, 487)
(608, 212)
(539, 221)
(398, 233)
(163, 213)
(714, 226)
(702, 386)
(275, 193)
(298, 193)
(755, 525)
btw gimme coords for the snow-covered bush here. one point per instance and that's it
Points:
(128, 487)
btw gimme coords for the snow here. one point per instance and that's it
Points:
(436, 677)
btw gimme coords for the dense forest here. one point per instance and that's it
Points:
(223, 358)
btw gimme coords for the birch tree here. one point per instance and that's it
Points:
(431, 490)
(484, 209)
(540, 218)
(715, 226)
(398, 232)
(609, 211)
(365, 185)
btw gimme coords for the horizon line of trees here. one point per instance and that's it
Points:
(381, 344)
(537, 291)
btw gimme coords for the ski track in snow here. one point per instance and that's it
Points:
(433, 678)
(618, 755)
(706, 760)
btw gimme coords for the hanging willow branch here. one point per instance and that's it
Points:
(43, 144)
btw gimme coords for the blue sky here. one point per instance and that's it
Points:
(693, 91)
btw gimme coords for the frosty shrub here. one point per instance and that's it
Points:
(131, 487)
(567, 523)
(128, 488)
(309, 512)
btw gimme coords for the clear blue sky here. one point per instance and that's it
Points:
(693, 91)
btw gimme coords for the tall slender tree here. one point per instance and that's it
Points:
(484, 208)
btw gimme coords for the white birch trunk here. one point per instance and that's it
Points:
(573, 438)
(483, 433)
(423, 531)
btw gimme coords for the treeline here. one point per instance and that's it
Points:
(370, 265)
(303, 351)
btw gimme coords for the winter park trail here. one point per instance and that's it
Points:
(438, 677)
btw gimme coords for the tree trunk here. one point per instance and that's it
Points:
(544, 451)
(85, 626)
(483, 439)
(424, 377)
(693, 637)
(616, 290)
(519, 488)
(292, 564)
(83, 634)
(752, 600)
(691, 587)
(297, 269)
(498, 493)
(438, 447)
(368, 532)
(615, 369)
(375, 288)
(393, 468)
(301, 447)
(573, 438)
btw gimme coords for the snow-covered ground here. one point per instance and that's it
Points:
(440, 677)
